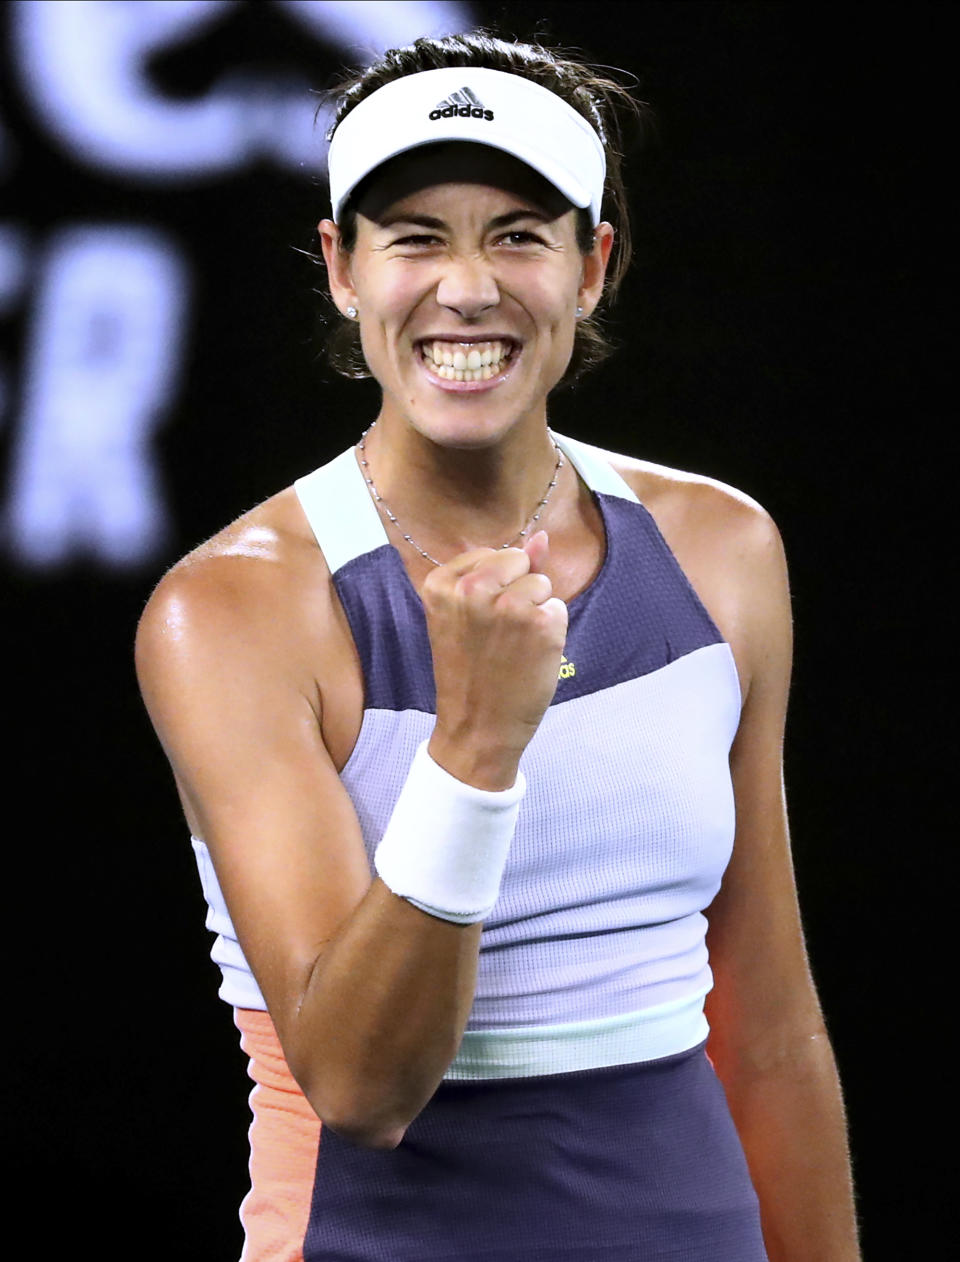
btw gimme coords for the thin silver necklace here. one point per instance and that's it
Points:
(381, 502)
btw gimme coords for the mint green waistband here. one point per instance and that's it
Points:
(533, 1050)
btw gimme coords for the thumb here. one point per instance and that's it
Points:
(537, 548)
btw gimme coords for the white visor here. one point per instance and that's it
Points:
(488, 107)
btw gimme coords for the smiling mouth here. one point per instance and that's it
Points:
(468, 361)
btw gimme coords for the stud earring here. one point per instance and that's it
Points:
(351, 313)
(579, 312)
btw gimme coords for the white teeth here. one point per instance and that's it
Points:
(478, 361)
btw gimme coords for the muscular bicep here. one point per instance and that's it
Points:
(239, 723)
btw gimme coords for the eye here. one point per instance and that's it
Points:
(521, 237)
(420, 241)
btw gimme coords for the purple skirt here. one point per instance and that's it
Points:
(626, 1164)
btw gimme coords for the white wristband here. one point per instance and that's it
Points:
(446, 844)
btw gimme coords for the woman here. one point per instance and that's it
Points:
(461, 724)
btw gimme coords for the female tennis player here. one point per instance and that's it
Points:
(477, 729)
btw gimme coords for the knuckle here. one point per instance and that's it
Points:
(510, 604)
(433, 583)
(473, 583)
(555, 613)
(513, 561)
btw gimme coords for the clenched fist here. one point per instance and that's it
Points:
(497, 634)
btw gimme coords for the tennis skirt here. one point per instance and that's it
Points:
(624, 1164)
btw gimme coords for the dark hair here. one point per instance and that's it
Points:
(605, 104)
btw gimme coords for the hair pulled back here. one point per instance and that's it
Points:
(605, 104)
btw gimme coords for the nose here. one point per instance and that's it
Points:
(468, 287)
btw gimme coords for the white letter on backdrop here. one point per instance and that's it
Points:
(102, 366)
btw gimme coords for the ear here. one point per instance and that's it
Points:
(338, 266)
(595, 268)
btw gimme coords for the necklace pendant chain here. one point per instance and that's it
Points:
(382, 503)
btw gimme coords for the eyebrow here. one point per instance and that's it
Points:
(428, 221)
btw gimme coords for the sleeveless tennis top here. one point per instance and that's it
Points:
(594, 953)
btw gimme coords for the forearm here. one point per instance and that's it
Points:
(382, 1016)
(389, 998)
(790, 1117)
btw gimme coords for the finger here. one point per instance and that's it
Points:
(532, 588)
(509, 562)
(537, 548)
(559, 615)
(464, 562)
(496, 570)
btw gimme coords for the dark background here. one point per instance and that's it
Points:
(784, 329)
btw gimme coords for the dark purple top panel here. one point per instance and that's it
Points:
(639, 614)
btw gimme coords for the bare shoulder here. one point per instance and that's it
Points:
(731, 551)
(251, 588)
(705, 521)
(682, 501)
(260, 546)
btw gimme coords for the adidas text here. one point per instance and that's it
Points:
(462, 111)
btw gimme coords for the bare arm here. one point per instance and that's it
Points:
(768, 1040)
(369, 995)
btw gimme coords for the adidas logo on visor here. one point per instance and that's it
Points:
(462, 104)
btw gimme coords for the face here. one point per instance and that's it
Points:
(467, 290)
